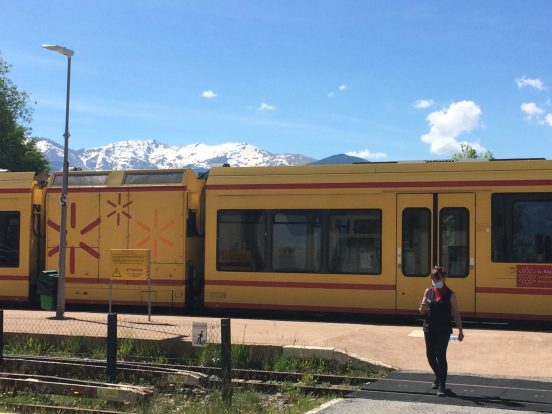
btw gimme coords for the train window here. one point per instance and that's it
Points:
(82, 180)
(416, 239)
(153, 178)
(241, 240)
(296, 241)
(522, 227)
(355, 242)
(454, 241)
(9, 238)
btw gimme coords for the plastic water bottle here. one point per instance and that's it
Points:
(453, 338)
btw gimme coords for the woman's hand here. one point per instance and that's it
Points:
(424, 308)
(424, 304)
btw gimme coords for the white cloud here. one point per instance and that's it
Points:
(448, 124)
(367, 154)
(531, 110)
(266, 107)
(340, 88)
(548, 120)
(532, 83)
(209, 94)
(423, 103)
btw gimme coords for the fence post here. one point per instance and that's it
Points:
(226, 351)
(111, 369)
(1, 339)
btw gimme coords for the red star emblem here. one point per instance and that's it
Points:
(119, 209)
(73, 223)
(155, 233)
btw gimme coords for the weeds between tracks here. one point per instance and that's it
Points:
(303, 390)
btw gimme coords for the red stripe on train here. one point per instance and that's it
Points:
(315, 285)
(119, 189)
(514, 291)
(398, 184)
(14, 277)
(15, 190)
(255, 306)
(154, 282)
(124, 302)
(14, 298)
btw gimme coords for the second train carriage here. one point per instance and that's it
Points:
(363, 238)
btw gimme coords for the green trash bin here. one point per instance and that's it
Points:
(47, 289)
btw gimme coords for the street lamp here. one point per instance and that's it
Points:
(60, 307)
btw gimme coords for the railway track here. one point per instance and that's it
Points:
(36, 369)
(146, 367)
(57, 409)
(397, 386)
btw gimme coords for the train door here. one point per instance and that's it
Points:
(435, 230)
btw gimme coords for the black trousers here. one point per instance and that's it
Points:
(436, 351)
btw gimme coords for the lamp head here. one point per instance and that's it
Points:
(60, 49)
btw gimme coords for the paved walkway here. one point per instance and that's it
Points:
(410, 392)
(515, 354)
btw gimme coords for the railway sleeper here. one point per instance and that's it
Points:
(273, 386)
(57, 409)
(45, 384)
(161, 378)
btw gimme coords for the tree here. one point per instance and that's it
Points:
(18, 151)
(469, 152)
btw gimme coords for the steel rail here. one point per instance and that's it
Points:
(252, 374)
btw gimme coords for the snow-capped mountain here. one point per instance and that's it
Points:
(54, 154)
(151, 154)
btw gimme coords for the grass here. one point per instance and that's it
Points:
(83, 346)
(183, 401)
(7, 400)
(129, 349)
(244, 357)
(243, 401)
(289, 400)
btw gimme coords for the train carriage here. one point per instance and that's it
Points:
(20, 209)
(363, 238)
(155, 210)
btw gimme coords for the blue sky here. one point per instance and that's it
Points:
(387, 80)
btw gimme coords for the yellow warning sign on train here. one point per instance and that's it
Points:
(130, 264)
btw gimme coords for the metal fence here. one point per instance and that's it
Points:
(85, 335)
(115, 337)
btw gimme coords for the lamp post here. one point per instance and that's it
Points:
(60, 307)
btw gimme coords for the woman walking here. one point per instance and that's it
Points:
(439, 306)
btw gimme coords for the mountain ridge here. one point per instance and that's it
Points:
(138, 154)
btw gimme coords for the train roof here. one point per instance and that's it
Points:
(10, 180)
(475, 165)
(120, 178)
(429, 174)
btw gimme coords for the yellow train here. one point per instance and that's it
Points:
(346, 238)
